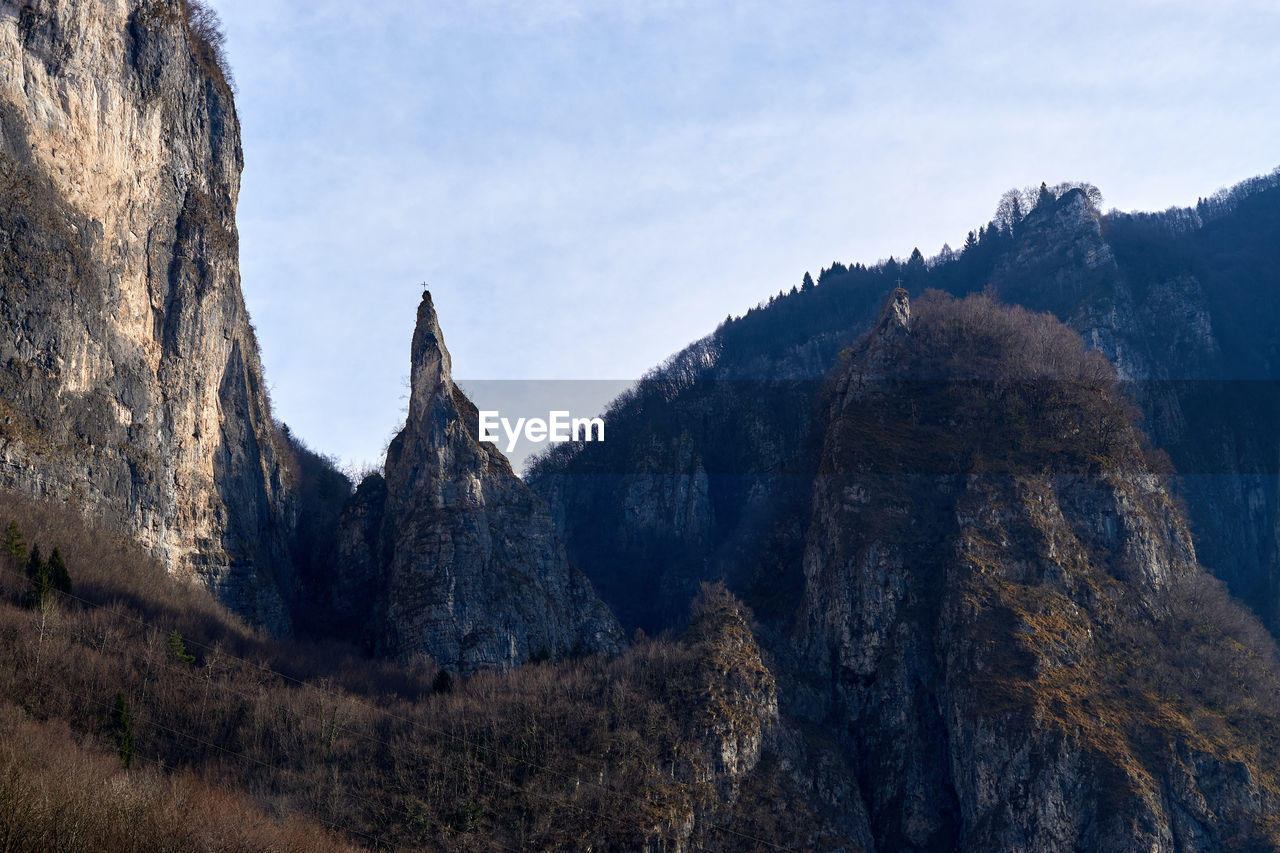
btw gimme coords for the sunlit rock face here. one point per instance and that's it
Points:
(130, 379)
(467, 566)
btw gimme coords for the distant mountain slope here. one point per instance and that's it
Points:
(1184, 303)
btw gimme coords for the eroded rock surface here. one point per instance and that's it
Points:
(130, 382)
(467, 563)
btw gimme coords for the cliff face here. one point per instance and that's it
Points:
(988, 622)
(129, 373)
(467, 565)
(992, 576)
(1179, 305)
(1181, 302)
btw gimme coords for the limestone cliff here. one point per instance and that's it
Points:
(464, 558)
(130, 382)
(1007, 609)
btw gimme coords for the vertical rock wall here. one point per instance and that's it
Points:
(130, 381)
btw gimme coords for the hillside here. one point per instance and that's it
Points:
(310, 746)
(1002, 608)
(702, 451)
(934, 554)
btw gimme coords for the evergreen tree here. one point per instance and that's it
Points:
(1045, 197)
(442, 683)
(59, 577)
(124, 729)
(37, 578)
(179, 649)
(14, 545)
(807, 284)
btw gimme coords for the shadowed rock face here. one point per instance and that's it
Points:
(130, 381)
(1182, 303)
(991, 575)
(467, 563)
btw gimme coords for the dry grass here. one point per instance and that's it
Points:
(597, 751)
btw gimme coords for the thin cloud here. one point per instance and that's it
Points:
(589, 185)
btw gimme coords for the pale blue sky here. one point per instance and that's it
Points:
(588, 185)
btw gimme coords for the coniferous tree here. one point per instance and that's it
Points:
(37, 578)
(14, 544)
(807, 284)
(124, 729)
(179, 649)
(58, 576)
(442, 683)
(1045, 197)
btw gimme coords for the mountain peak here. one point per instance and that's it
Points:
(895, 316)
(432, 367)
(464, 558)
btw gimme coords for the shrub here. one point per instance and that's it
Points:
(208, 40)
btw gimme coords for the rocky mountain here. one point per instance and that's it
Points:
(1177, 300)
(968, 561)
(1002, 609)
(449, 553)
(978, 613)
(130, 382)
(131, 386)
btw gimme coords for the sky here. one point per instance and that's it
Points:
(586, 186)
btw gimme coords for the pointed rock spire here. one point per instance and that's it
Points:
(465, 560)
(895, 316)
(431, 368)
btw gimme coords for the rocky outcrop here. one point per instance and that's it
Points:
(466, 562)
(1179, 308)
(130, 382)
(991, 575)
(728, 714)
